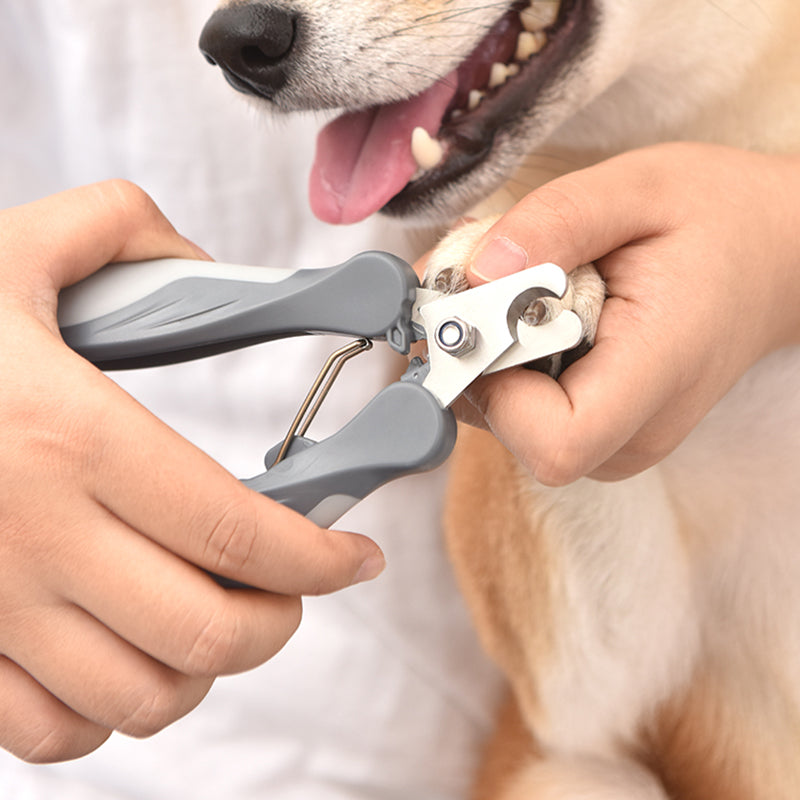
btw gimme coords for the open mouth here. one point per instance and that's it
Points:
(398, 157)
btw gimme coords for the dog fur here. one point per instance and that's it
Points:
(647, 627)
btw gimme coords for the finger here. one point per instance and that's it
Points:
(563, 430)
(191, 506)
(165, 606)
(421, 265)
(37, 727)
(100, 676)
(574, 220)
(87, 228)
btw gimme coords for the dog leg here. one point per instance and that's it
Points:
(585, 290)
(582, 596)
(515, 768)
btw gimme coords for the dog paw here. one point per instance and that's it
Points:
(446, 270)
(585, 290)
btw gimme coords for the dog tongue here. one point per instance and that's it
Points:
(364, 158)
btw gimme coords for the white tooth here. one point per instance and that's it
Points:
(539, 14)
(529, 43)
(512, 70)
(498, 76)
(475, 97)
(426, 150)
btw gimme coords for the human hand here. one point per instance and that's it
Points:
(105, 621)
(699, 247)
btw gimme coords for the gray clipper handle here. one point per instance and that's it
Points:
(403, 430)
(169, 310)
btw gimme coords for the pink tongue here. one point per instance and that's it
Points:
(364, 158)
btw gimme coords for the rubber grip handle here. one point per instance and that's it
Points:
(401, 431)
(158, 312)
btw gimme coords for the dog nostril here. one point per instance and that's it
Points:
(251, 43)
(255, 58)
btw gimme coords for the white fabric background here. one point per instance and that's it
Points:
(382, 693)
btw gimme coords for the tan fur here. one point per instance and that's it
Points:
(508, 576)
(510, 749)
(725, 737)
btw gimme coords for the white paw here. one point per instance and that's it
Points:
(585, 289)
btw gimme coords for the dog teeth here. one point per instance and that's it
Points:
(529, 43)
(540, 14)
(474, 100)
(499, 75)
(536, 18)
(426, 150)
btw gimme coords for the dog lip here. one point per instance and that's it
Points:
(470, 139)
(461, 160)
(251, 88)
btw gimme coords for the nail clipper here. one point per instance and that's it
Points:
(131, 315)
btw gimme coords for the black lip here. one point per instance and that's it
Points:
(471, 138)
(247, 87)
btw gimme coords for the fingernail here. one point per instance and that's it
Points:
(499, 258)
(371, 567)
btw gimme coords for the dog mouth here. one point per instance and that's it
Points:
(399, 157)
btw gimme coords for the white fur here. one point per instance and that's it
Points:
(628, 634)
(584, 779)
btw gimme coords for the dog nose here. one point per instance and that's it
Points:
(251, 43)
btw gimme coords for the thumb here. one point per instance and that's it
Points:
(563, 430)
(570, 221)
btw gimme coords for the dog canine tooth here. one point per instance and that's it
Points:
(540, 14)
(426, 150)
(498, 76)
(529, 43)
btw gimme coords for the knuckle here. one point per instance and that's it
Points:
(563, 209)
(47, 747)
(231, 536)
(128, 194)
(60, 741)
(564, 465)
(213, 649)
(332, 569)
(150, 710)
(134, 203)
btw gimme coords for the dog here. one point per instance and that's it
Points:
(646, 627)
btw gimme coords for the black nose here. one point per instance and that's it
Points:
(252, 44)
